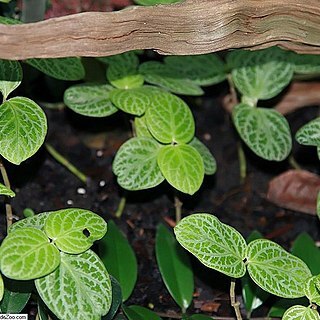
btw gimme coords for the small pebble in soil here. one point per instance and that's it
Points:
(99, 153)
(207, 136)
(102, 183)
(81, 191)
(69, 202)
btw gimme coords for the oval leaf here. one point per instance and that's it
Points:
(10, 76)
(217, 245)
(209, 162)
(134, 101)
(91, 100)
(37, 221)
(309, 134)
(175, 267)
(170, 120)
(162, 75)
(275, 270)
(123, 71)
(116, 299)
(74, 230)
(141, 128)
(265, 131)
(135, 164)
(182, 166)
(311, 291)
(119, 259)
(27, 254)
(79, 288)
(139, 313)
(301, 313)
(260, 74)
(203, 70)
(6, 191)
(69, 69)
(23, 129)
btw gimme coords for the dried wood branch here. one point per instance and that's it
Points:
(191, 27)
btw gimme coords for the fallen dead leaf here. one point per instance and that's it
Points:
(295, 190)
(210, 306)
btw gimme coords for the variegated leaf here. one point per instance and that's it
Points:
(10, 76)
(90, 99)
(276, 270)
(298, 312)
(37, 221)
(309, 134)
(141, 128)
(217, 245)
(305, 63)
(80, 288)
(135, 164)
(311, 291)
(6, 191)
(265, 131)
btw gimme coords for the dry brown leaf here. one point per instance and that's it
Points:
(296, 190)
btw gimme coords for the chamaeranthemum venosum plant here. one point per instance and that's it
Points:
(53, 248)
(222, 248)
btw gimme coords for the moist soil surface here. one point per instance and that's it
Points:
(42, 184)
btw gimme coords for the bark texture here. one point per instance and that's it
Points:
(191, 27)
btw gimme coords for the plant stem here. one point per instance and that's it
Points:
(235, 304)
(232, 89)
(62, 160)
(242, 163)
(121, 207)
(178, 206)
(6, 181)
(293, 163)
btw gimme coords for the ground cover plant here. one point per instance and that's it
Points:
(53, 248)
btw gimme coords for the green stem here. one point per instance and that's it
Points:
(62, 160)
(121, 207)
(242, 163)
(293, 163)
(235, 304)
(9, 215)
(178, 208)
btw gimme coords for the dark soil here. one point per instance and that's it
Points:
(44, 185)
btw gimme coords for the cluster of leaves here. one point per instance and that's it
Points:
(276, 271)
(53, 248)
(164, 147)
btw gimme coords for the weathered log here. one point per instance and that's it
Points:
(191, 27)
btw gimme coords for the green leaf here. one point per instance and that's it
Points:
(210, 164)
(42, 311)
(182, 166)
(79, 288)
(16, 295)
(27, 254)
(154, 2)
(6, 20)
(203, 70)
(141, 128)
(175, 267)
(23, 129)
(116, 299)
(123, 71)
(170, 119)
(134, 101)
(69, 69)
(301, 313)
(1, 287)
(135, 164)
(281, 305)
(74, 230)
(309, 134)
(139, 313)
(253, 295)
(311, 291)
(5, 1)
(119, 259)
(37, 221)
(305, 63)
(217, 245)
(265, 131)
(276, 270)
(10, 76)
(90, 99)
(305, 248)
(162, 75)
(6, 191)
(260, 74)
(200, 317)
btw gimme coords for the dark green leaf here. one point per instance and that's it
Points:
(116, 299)
(139, 313)
(119, 259)
(305, 248)
(305, 63)
(175, 267)
(200, 317)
